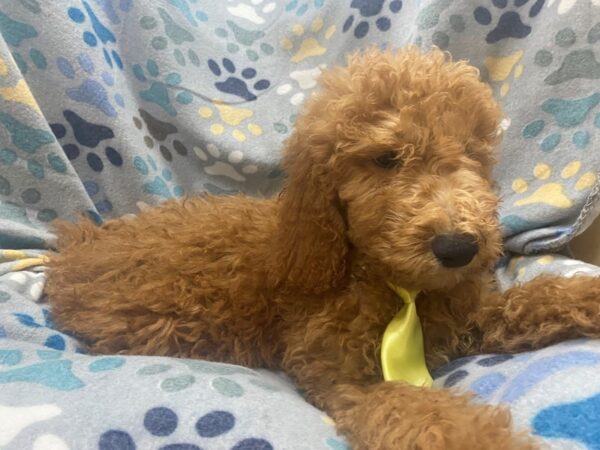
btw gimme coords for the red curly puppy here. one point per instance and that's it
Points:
(389, 181)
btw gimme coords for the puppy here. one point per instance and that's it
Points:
(389, 182)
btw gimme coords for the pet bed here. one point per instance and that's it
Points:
(107, 106)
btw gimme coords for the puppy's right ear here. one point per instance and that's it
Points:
(310, 244)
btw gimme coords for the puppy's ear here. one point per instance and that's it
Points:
(487, 136)
(311, 244)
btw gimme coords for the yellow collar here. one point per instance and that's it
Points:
(402, 349)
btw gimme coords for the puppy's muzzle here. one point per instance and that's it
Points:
(454, 250)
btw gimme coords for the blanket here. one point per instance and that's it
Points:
(107, 106)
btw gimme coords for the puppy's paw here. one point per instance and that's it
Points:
(395, 416)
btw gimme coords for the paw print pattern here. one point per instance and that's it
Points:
(213, 164)
(27, 214)
(308, 46)
(579, 63)
(567, 114)
(512, 23)
(193, 17)
(562, 421)
(283, 126)
(300, 7)
(159, 131)
(370, 10)
(101, 203)
(301, 81)
(255, 13)
(221, 384)
(162, 421)
(159, 182)
(518, 266)
(441, 39)
(251, 40)
(429, 17)
(234, 85)
(17, 93)
(171, 35)
(159, 91)
(54, 340)
(15, 419)
(99, 33)
(497, 384)
(499, 69)
(27, 141)
(110, 11)
(554, 193)
(231, 118)
(90, 91)
(53, 369)
(88, 135)
(18, 38)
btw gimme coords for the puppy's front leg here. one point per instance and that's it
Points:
(396, 416)
(541, 312)
(333, 357)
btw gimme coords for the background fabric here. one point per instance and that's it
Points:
(107, 105)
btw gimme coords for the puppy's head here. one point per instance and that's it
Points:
(392, 157)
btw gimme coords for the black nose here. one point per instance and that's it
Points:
(454, 250)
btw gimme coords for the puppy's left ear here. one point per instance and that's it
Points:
(311, 243)
(488, 131)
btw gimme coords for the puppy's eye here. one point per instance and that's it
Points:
(387, 160)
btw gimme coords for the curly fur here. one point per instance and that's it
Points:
(298, 282)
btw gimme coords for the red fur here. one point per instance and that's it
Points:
(298, 282)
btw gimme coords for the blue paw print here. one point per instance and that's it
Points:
(252, 40)
(300, 8)
(163, 422)
(28, 141)
(186, 11)
(55, 341)
(90, 91)
(37, 58)
(16, 32)
(99, 33)
(510, 24)
(567, 115)
(88, 135)
(110, 10)
(234, 85)
(159, 131)
(159, 184)
(369, 9)
(159, 90)
(51, 370)
(571, 421)
(104, 205)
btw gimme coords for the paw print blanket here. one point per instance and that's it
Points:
(110, 105)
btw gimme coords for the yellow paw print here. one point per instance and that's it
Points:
(553, 193)
(18, 93)
(309, 46)
(234, 118)
(328, 421)
(514, 268)
(22, 260)
(500, 67)
(3, 68)
(545, 260)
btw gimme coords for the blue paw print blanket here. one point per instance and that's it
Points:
(107, 106)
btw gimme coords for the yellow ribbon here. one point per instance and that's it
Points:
(402, 349)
